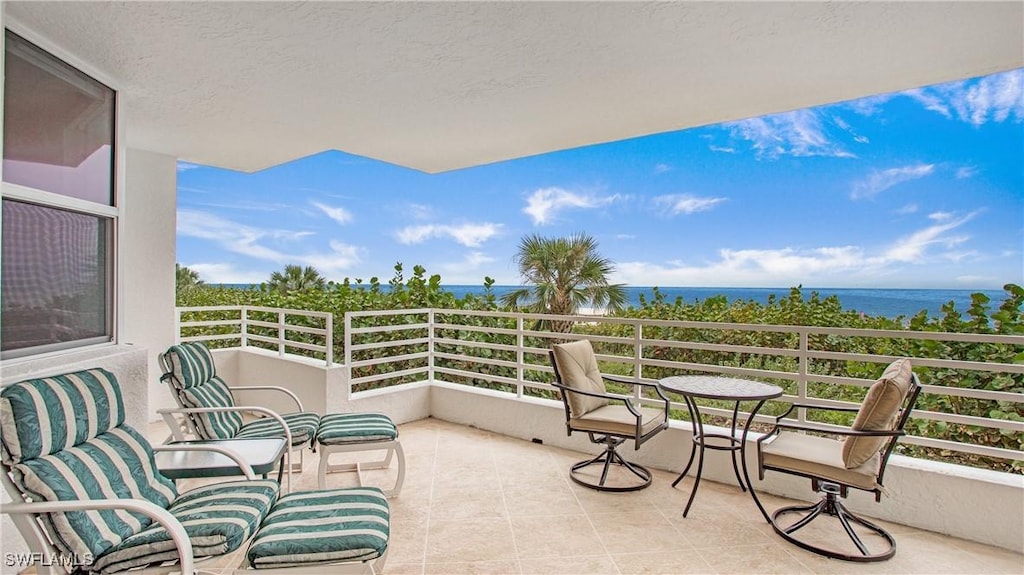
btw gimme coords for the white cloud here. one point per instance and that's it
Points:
(221, 273)
(662, 168)
(829, 265)
(625, 237)
(185, 166)
(419, 211)
(907, 209)
(879, 181)
(545, 203)
(966, 172)
(248, 241)
(469, 235)
(723, 149)
(686, 204)
(797, 133)
(469, 270)
(336, 213)
(995, 98)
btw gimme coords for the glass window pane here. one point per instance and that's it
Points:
(58, 126)
(56, 276)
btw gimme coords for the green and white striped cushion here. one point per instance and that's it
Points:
(117, 464)
(218, 518)
(43, 416)
(302, 425)
(317, 527)
(339, 428)
(215, 425)
(191, 364)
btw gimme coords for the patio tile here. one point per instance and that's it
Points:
(717, 527)
(767, 559)
(625, 531)
(525, 500)
(582, 565)
(662, 563)
(472, 568)
(456, 541)
(555, 536)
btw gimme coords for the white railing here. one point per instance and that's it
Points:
(249, 326)
(388, 348)
(434, 340)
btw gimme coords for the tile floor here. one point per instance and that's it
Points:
(475, 502)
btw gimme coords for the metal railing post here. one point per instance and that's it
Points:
(638, 335)
(801, 373)
(330, 338)
(520, 356)
(245, 326)
(280, 333)
(347, 338)
(430, 345)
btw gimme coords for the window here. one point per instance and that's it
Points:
(59, 214)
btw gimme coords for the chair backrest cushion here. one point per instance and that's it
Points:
(879, 412)
(189, 364)
(46, 415)
(577, 368)
(213, 393)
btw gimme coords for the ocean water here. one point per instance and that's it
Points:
(877, 302)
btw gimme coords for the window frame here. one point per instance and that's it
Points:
(113, 213)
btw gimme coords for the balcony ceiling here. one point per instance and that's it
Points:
(440, 86)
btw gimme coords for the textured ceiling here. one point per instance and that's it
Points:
(439, 86)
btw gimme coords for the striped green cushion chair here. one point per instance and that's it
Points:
(91, 482)
(64, 440)
(190, 371)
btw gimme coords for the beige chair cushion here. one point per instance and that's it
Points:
(818, 457)
(878, 413)
(616, 419)
(577, 368)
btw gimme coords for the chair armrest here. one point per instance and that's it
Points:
(612, 396)
(147, 508)
(230, 453)
(793, 406)
(289, 393)
(846, 432)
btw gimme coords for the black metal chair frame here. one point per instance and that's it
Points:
(833, 491)
(611, 441)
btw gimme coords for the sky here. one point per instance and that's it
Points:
(915, 189)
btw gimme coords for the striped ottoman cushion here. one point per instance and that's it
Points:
(341, 428)
(302, 425)
(218, 519)
(317, 527)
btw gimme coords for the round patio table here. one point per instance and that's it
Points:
(731, 389)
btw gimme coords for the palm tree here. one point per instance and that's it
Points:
(296, 278)
(562, 275)
(185, 278)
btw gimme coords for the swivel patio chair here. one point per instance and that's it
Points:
(835, 466)
(608, 419)
(88, 498)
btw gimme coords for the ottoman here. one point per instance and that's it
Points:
(354, 432)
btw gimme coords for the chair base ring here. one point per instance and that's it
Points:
(830, 505)
(607, 459)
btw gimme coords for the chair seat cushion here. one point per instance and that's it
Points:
(618, 420)
(218, 518)
(318, 527)
(303, 426)
(819, 457)
(344, 428)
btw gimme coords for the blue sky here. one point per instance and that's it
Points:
(917, 189)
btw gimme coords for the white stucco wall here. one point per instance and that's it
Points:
(147, 260)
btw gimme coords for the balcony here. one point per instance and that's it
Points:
(470, 406)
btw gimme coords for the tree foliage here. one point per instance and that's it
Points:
(185, 278)
(295, 278)
(561, 275)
